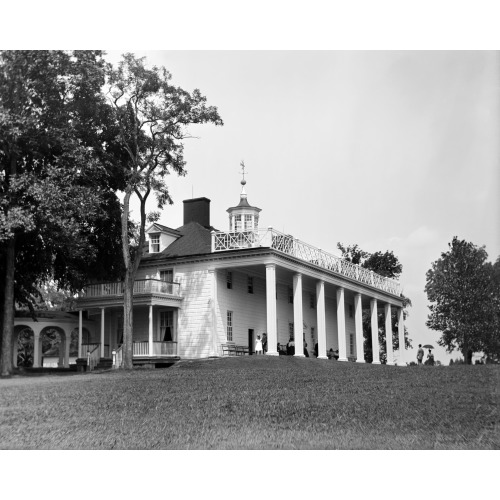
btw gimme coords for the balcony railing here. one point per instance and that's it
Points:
(287, 244)
(159, 349)
(148, 285)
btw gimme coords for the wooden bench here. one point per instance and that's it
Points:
(241, 350)
(231, 349)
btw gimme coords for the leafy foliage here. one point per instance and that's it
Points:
(463, 290)
(59, 215)
(152, 117)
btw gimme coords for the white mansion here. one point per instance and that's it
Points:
(198, 289)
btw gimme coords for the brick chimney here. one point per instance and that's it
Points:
(197, 210)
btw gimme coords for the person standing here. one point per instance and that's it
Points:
(258, 345)
(264, 342)
(420, 354)
(430, 358)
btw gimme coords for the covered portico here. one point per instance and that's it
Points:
(65, 324)
(341, 291)
(155, 319)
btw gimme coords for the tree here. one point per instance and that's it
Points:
(58, 202)
(463, 293)
(386, 264)
(152, 116)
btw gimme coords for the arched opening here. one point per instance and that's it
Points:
(73, 346)
(53, 341)
(24, 354)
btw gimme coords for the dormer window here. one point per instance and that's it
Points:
(161, 237)
(155, 243)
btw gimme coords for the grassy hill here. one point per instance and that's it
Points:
(256, 403)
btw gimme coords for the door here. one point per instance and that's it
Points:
(251, 341)
(166, 326)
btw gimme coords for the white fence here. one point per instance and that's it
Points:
(236, 240)
(149, 285)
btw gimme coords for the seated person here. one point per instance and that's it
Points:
(316, 349)
(290, 347)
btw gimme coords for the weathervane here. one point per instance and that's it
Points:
(242, 164)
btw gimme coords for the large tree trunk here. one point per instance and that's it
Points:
(465, 353)
(128, 292)
(128, 320)
(8, 309)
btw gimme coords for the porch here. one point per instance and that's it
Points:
(144, 353)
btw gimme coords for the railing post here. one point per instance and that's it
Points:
(212, 234)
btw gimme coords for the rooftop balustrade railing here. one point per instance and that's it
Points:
(237, 240)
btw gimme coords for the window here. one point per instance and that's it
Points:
(237, 221)
(250, 284)
(248, 222)
(229, 280)
(351, 343)
(312, 300)
(290, 295)
(291, 332)
(166, 326)
(350, 310)
(155, 243)
(167, 275)
(229, 327)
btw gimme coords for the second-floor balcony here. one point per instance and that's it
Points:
(287, 244)
(141, 287)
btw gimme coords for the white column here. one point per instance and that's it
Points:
(80, 332)
(272, 334)
(297, 315)
(375, 346)
(388, 334)
(66, 349)
(341, 324)
(214, 345)
(150, 337)
(358, 320)
(321, 315)
(36, 349)
(401, 334)
(102, 332)
(175, 332)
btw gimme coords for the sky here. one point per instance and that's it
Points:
(390, 150)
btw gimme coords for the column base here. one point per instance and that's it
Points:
(322, 357)
(298, 356)
(342, 359)
(376, 363)
(269, 353)
(360, 361)
(391, 364)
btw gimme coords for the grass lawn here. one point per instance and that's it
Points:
(255, 403)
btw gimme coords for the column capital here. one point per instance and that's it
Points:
(270, 266)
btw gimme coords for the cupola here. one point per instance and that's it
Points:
(243, 217)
